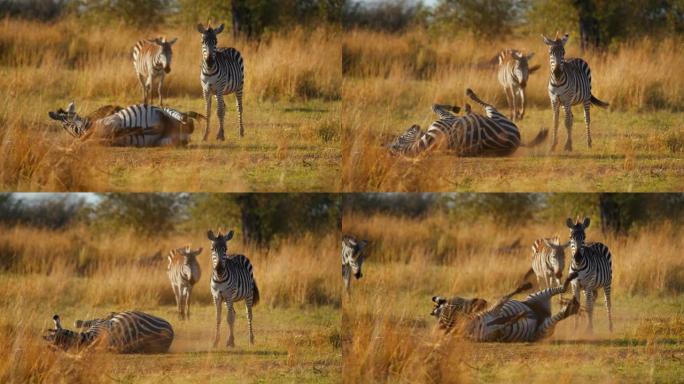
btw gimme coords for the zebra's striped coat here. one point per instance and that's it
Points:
(548, 261)
(184, 272)
(592, 264)
(151, 60)
(513, 73)
(222, 73)
(352, 259)
(467, 135)
(122, 332)
(232, 280)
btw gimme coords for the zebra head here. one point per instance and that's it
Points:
(449, 311)
(403, 143)
(209, 40)
(352, 254)
(556, 53)
(60, 338)
(74, 124)
(557, 257)
(163, 59)
(219, 247)
(577, 236)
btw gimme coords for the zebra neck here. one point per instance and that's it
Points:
(209, 66)
(558, 80)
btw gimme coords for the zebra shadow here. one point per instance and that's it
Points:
(239, 352)
(305, 109)
(604, 156)
(618, 342)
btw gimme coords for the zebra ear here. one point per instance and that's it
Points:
(56, 116)
(547, 41)
(219, 29)
(569, 223)
(230, 234)
(586, 222)
(210, 235)
(530, 55)
(198, 251)
(478, 304)
(172, 41)
(200, 28)
(71, 108)
(565, 38)
(58, 323)
(361, 244)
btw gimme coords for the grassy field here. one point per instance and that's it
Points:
(81, 274)
(391, 81)
(292, 107)
(389, 335)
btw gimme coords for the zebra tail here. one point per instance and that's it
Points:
(196, 116)
(598, 102)
(255, 294)
(521, 288)
(534, 68)
(528, 274)
(541, 136)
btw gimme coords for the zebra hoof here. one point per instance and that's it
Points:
(230, 344)
(220, 137)
(568, 147)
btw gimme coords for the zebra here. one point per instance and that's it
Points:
(513, 73)
(548, 261)
(352, 259)
(232, 280)
(152, 59)
(138, 125)
(121, 332)
(569, 84)
(223, 73)
(467, 135)
(593, 267)
(508, 320)
(184, 272)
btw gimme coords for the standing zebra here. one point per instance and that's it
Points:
(508, 320)
(352, 259)
(122, 332)
(184, 272)
(548, 261)
(513, 74)
(467, 135)
(223, 73)
(231, 281)
(592, 265)
(569, 84)
(152, 59)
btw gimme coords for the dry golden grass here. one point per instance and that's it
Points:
(292, 93)
(79, 273)
(389, 335)
(390, 82)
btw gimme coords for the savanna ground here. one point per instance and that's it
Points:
(291, 111)
(389, 335)
(391, 81)
(79, 274)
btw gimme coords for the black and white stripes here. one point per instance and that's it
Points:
(222, 73)
(184, 272)
(352, 259)
(513, 73)
(151, 60)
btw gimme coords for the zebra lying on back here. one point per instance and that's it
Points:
(548, 261)
(569, 84)
(508, 320)
(223, 73)
(592, 266)
(513, 74)
(232, 280)
(468, 135)
(352, 259)
(122, 332)
(184, 272)
(152, 59)
(138, 125)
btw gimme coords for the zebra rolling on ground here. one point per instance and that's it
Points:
(138, 125)
(508, 320)
(222, 73)
(548, 261)
(513, 73)
(468, 135)
(184, 272)
(122, 332)
(593, 267)
(232, 280)
(352, 259)
(151, 60)
(569, 84)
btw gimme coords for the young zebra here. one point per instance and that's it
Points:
(122, 332)
(223, 73)
(468, 135)
(592, 265)
(138, 125)
(352, 259)
(508, 320)
(231, 281)
(184, 272)
(569, 84)
(152, 59)
(513, 73)
(548, 261)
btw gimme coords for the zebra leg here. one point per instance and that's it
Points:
(568, 127)
(511, 103)
(558, 284)
(188, 291)
(148, 89)
(248, 305)
(587, 120)
(231, 323)
(159, 89)
(548, 326)
(217, 303)
(220, 112)
(606, 292)
(206, 92)
(576, 296)
(589, 295)
(238, 101)
(176, 294)
(555, 105)
(141, 79)
(521, 90)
